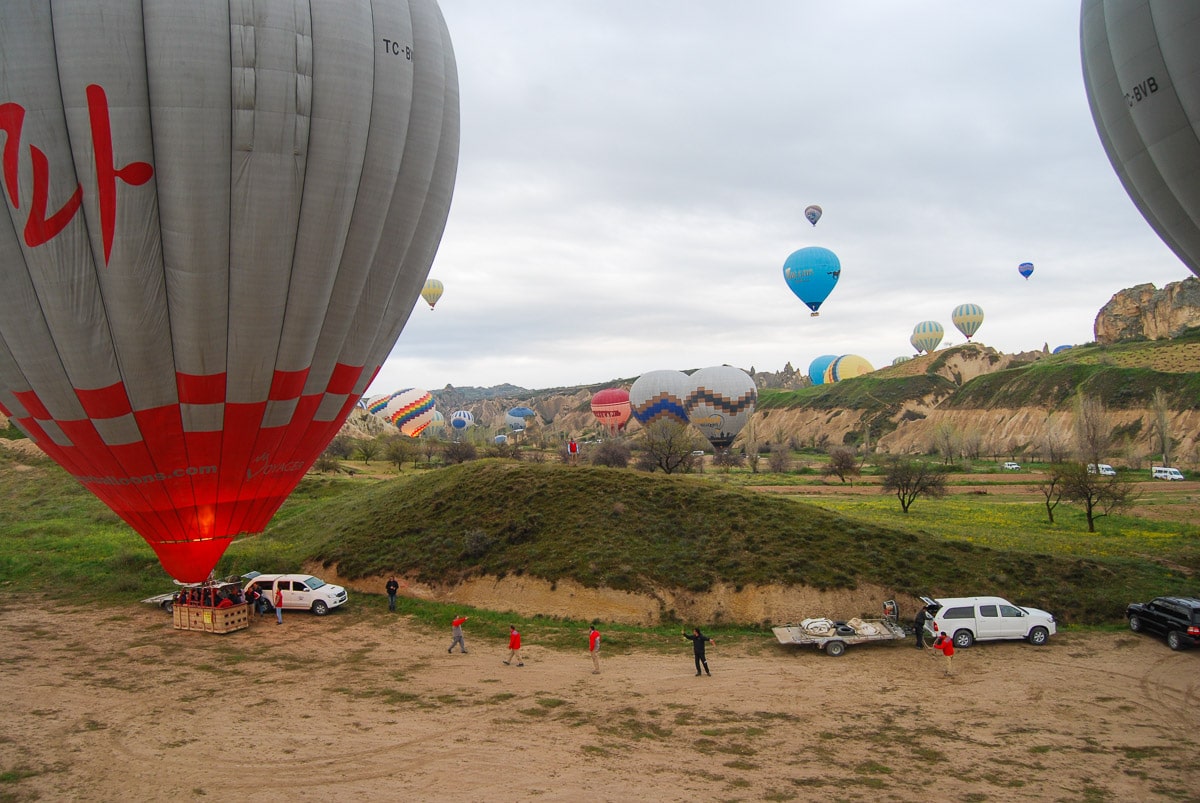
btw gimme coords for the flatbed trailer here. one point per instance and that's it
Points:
(835, 639)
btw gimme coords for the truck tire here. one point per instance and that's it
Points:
(835, 648)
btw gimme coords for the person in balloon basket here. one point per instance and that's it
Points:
(514, 646)
(945, 645)
(456, 634)
(698, 640)
(392, 587)
(278, 605)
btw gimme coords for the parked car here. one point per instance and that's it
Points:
(300, 592)
(1011, 466)
(1165, 473)
(1104, 470)
(1177, 618)
(971, 619)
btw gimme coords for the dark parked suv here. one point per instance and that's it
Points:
(1178, 618)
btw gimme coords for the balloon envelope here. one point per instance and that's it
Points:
(660, 395)
(926, 336)
(409, 410)
(720, 403)
(438, 422)
(462, 419)
(903, 358)
(847, 366)
(816, 368)
(813, 214)
(811, 273)
(212, 241)
(1143, 87)
(611, 408)
(968, 318)
(1025, 269)
(1058, 349)
(432, 291)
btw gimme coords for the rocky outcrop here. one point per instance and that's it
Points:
(1145, 312)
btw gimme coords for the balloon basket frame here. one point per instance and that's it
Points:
(211, 620)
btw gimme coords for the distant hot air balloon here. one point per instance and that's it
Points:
(199, 277)
(968, 318)
(438, 422)
(660, 395)
(500, 440)
(462, 420)
(1059, 349)
(518, 417)
(927, 335)
(431, 292)
(1025, 269)
(1139, 71)
(409, 410)
(811, 273)
(720, 403)
(813, 213)
(611, 408)
(816, 368)
(847, 366)
(901, 359)
(914, 339)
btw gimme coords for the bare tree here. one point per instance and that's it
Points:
(368, 450)
(910, 479)
(751, 444)
(842, 463)
(728, 459)
(399, 450)
(1099, 495)
(430, 447)
(1055, 446)
(945, 441)
(1051, 487)
(667, 445)
(460, 452)
(972, 442)
(1093, 429)
(778, 460)
(613, 452)
(1160, 426)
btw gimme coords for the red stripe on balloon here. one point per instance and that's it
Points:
(107, 402)
(200, 388)
(32, 404)
(287, 385)
(343, 379)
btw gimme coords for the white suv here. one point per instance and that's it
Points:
(1011, 466)
(971, 619)
(300, 591)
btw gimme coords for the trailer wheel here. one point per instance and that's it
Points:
(835, 648)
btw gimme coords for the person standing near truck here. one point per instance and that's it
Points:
(919, 626)
(278, 605)
(698, 639)
(945, 645)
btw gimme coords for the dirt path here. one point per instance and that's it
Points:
(114, 705)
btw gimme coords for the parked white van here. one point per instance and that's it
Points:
(1105, 470)
(971, 619)
(1165, 473)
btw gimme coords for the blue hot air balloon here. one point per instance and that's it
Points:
(1025, 269)
(816, 368)
(812, 273)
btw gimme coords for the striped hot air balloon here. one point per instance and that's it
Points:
(967, 318)
(926, 336)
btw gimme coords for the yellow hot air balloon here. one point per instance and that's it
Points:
(431, 292)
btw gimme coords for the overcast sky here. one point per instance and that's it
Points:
(633, 175)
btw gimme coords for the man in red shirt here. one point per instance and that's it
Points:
(594, 649)
(945, 645)
(456, 634)
(514, 646)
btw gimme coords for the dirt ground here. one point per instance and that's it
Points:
(115, 705)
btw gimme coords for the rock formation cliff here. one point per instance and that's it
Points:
(1145, 312)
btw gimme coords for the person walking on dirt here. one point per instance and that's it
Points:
(919, 627)
(594, 649)
(945, 645)
(514, 646)
(392, 587)
(698, 639)
(456, 634)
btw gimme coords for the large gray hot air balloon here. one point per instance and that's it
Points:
(220, 217)
(721, 403)
(1143, 85)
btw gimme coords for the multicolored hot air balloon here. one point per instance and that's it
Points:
(816, 368)
(1025, 269)
(927, 335)
(721, 403)
(813, 214)
(200, 274)
(1143, 87)
(462, 420)
(431, 292)
(847, 366)
(812, 273)
(611, 408)
(659, 396)
(409, 410)
(967, 318)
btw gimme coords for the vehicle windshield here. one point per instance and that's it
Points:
(313, 583)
